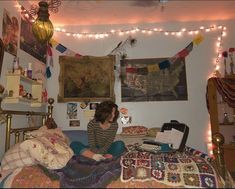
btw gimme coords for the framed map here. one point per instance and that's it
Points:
(142, 81)
(86, 78)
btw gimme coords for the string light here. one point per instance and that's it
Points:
(150, 31)
(209, 142)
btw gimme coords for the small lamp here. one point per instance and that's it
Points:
(42, 27)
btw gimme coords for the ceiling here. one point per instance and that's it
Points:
(105, 12)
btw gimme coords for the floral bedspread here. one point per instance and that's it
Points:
(173, 169)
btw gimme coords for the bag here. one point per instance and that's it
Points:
(180, 127)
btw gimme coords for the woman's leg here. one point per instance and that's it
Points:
(81, 149)
(117, 148)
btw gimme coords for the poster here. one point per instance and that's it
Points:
(142, 81)
(28, 42)
(10, 33)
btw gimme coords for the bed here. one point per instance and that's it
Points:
(59, 168)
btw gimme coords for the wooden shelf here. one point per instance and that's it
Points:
(14, 80)
(12, 100)
(25, 79)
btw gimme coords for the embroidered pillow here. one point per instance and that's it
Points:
(50, 150)
(15, 157)
(134, 131)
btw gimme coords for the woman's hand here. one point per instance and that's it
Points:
(98, 157)
(108, 156)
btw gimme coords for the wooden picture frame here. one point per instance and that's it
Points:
(86, 79)
(1, 54)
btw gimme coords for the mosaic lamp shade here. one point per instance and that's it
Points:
(42, 27)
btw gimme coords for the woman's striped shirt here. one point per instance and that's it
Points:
(100, 139)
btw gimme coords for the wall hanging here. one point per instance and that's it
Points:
(86, 79)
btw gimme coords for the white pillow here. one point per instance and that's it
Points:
(15, 157)
(50, 150)
(44, 130)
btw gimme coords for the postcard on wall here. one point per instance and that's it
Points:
(142, 81)
(39, 71)
(93, 106)
(72, 110)
(28, 42)
(89, 114)
(10, 33)
(74, 123)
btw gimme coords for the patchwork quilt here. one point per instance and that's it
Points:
(173, 169)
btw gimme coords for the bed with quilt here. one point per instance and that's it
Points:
(45, 160)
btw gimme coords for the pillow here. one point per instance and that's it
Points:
(50, 150)
(134, 131)
(15, 157)
(44, 130)
(152, 132)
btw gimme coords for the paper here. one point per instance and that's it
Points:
(172, 136)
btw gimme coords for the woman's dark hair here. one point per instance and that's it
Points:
(104, 111)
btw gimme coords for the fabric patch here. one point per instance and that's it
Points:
(142, 173)
(158, 165)
(189, 168)
(143, 155)
(204, 168)
(170, 159)
(143, 163)
(173, 178)
(128, 162)
(185, 160)
(191, 179)
(208, 181)
(158, 174)
(198, 159)
(173, 167)
(128, 173)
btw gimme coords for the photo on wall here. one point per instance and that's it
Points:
(142, 80)
(28, 42)
(72, 110)
(10, 33)
(74, 123)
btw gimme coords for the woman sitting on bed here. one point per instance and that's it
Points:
(101, 134)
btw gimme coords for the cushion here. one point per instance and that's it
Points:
(50, 150)
(43, 130)
(15, 157)
(134, 130)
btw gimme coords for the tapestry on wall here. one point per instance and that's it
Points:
(141, 80)
(87, 78)
(28, 43)
(10, 33)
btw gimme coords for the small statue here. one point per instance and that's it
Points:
(225, 55)
(226, 120)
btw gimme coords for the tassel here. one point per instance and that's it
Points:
(48, 72)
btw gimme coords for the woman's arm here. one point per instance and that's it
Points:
(91, 136)
(110, 138)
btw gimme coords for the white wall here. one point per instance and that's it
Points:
(25, 58)
(199, 65)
